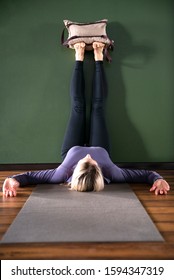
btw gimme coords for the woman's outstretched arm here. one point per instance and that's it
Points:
(51, 176)
(123, 175)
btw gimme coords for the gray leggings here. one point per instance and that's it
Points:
(76, 130)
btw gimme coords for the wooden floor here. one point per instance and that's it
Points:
(160, 208)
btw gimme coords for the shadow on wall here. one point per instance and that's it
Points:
(124, 134)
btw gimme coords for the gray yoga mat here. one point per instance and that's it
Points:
(53, 213)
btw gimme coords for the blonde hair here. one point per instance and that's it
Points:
(87, 177)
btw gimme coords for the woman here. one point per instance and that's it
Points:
(86, 164)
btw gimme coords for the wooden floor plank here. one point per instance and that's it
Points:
(88, 251)
(165, 226)
(163, 217)
(160, 210)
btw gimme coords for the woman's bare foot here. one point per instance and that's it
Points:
(79, 51)
(98, 50)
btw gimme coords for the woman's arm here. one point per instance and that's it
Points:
(51, 176)
(123, 175)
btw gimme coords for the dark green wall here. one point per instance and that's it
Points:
(35, 72)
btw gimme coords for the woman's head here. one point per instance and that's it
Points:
(87, 176)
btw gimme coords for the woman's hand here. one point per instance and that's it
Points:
(9, 187)
(160, 186)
